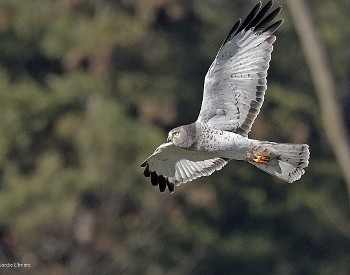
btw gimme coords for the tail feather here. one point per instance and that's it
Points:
(283, 160)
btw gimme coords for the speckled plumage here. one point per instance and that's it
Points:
(221, 143)
(234, 90)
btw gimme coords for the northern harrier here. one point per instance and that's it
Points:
(234, 90)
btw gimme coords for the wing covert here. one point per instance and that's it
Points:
(235, 83)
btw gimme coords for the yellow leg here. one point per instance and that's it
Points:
(261, 159)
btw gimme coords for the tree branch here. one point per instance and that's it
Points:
(325, 87)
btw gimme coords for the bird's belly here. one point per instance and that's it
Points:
(226, 145)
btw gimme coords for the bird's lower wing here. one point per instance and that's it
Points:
(171, 165)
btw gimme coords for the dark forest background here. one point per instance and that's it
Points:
(88, 89)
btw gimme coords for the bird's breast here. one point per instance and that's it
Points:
(223, 144)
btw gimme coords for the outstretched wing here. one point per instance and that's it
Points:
(171, 165)
(235, 83)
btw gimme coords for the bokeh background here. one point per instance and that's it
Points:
(88, 89)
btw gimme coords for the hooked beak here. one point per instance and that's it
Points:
(169, 138)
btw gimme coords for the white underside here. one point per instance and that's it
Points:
(228, 145)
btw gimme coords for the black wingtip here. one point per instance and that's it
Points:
(250, 17)
(271, 29)
(158, 180)
(268, 19)
(154, 178)
(233, 31)
(258, 19)
(162, 184)
(147, 173)
(171, 186)
(260, 16)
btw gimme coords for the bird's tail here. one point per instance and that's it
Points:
(283, 160)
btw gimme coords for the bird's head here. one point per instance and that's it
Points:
(183, 136)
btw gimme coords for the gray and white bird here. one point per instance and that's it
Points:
(234, 90)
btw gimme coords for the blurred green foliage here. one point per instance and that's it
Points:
(90, 88)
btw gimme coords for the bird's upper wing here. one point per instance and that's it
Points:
(171, 165)
(235, 83)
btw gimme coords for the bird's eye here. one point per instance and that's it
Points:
(176, 134)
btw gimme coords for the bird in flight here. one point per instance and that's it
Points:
(234, 90)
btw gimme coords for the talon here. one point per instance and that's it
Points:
(261, 159)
